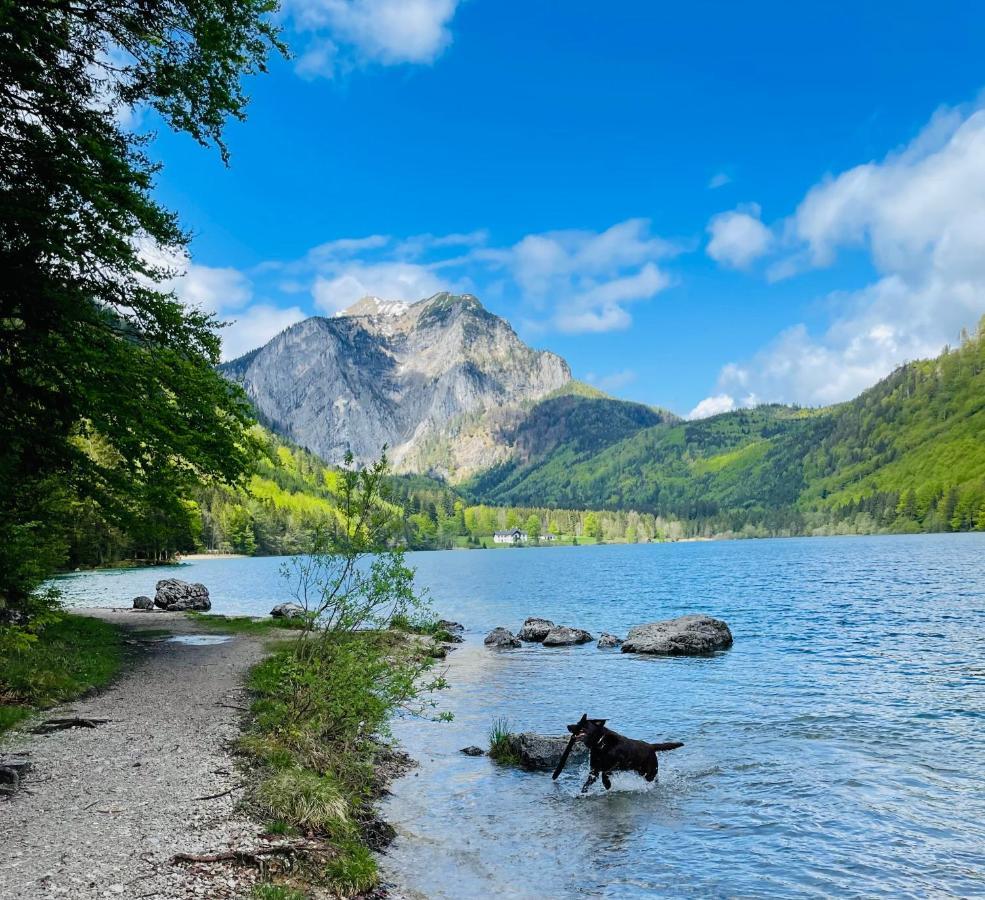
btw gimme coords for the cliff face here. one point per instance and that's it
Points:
(442, 383)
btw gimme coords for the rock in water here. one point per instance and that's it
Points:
(143, 603)
(288, 611)
(450, 632)
(694, 635)
(535, 629)
(501, 638)
(562, 636)
(177, 596)
(473, 751)
(608, 640)
(543, 751)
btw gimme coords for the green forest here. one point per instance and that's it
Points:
(907, 455)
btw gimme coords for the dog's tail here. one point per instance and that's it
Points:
(670, 745)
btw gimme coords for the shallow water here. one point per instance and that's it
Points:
(836, 749)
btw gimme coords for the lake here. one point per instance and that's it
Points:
(836, 749)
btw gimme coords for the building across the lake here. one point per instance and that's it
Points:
(510, 537)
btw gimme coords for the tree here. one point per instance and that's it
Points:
(533, 528)
(92, 343)
(592, 526)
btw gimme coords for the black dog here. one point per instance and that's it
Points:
(611, 752)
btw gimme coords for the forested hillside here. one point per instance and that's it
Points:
(906, 455)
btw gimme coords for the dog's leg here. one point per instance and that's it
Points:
(606, 783)
(592, 776)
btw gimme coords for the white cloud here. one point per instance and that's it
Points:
(214, 289)
(920, 214)
(712, 406)
(738, 237)
(389, 280)
(254, 326)
(719, 179)
(385, 32)
(586, 279)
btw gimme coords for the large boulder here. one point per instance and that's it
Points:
(288, 611)
(543, 751)
(694, 635)
(563, 636)
(501, 638)
(143, 603)
(607, 641)
(535, 629)
(176, 595)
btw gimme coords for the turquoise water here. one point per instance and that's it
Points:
(836, 750)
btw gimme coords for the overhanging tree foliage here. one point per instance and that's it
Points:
(92, 349)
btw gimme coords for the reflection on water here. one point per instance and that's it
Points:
(835, 750)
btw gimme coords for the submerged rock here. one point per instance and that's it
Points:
(450, 632)
(173, 594)
(501, 638)
(543, 751)
(143, 603)
(563, 636)
(473, 751)
(608, 640)
(288, 611)
(694, 635)
(535, 629)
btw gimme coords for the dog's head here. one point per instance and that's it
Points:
(587, 730)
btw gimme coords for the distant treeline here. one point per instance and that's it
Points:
(291, 493)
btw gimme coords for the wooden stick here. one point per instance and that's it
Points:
(567, 750)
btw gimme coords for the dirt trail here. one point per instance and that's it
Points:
(105, 809)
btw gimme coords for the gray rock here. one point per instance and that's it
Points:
(609, 640)
(543, 751)
(473, 751)
(176, 595)
(694, 635)
(288, 611)
(407, 376)
(453, 631)
(501, 638)
(12, 771)
(535, 629)
(563, 636)
(142, 602)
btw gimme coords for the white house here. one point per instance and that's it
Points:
(510, 537)
(550, 536)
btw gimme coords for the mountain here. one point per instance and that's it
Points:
(908, 454)
(441, 383)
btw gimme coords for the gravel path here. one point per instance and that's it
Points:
(105, 809)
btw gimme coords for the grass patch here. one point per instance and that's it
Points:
(71, 656)
(426, 626)
(320, 710)
(245, 624)
(277, 892)
(501, 746)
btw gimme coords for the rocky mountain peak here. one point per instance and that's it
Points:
(440, 382)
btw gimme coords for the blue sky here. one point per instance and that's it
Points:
(698, 205)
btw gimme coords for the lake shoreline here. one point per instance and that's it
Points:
(204, 665)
